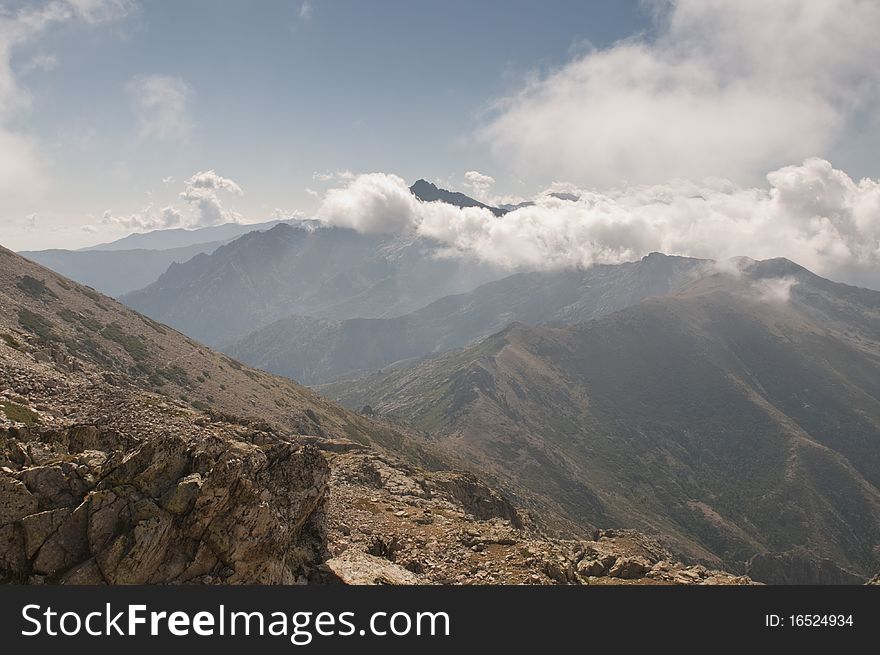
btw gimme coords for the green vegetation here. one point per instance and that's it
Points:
(10, 341)
(86, 321)
(19, 413)
(35, 288)
(201, 406)
(157, 327)
(234, 364)
(35, 323)
(133, 345)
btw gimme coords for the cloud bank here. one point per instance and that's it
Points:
(202, 193)
(728, 88)
(811, 213)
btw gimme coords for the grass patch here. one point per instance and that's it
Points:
(35, 323)
(157, 327)
(86, 321)
(19, 413)
(35, 288)
(234, 364)
(10, 340)
(132, 344)
(176, 374)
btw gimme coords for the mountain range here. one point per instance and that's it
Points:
(314, 350)
(137, 260)
(729, 409)
(738, 415)
(130, 454)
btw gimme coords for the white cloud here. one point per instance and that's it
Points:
(161, 106)
(478, 183)
(202, 193)
(145, 220)
(727, 88)
(373, 202)
(305, 10)
(210, 181)
(811, 213)
(201, 207)
(775, 290)
(328, 176)
(279, 214)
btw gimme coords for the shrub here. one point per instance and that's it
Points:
(33, 322)
(10, 340)
(132, 344)
(34, 288)
(19, 413)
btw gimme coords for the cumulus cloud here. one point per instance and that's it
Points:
(728, 88)
(161, 106)
(305, 10)
(149, 218)
(202, 191)
(811, 213)
(201, 206)
(478, 183)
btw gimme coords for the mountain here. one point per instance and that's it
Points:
(427, 192)
(129, 454)
(313, 350)
(116, 272)
(308, 269)
(133, 262)
(739, 416)
(183, 238)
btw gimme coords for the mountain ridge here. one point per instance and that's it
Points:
(717, 416)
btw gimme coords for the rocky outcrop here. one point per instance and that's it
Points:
(793, 568)
(354, 567)
(449, 528)
(175, 508)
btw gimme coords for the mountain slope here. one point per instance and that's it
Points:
(306, 269)
(740, 416)
(60, 322)
(314, 350)
(116, 272)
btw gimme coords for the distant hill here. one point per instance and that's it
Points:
(136, 261)
(739, 416)
(310, 270)
(313, 350)
(116, 272)
(182, 238)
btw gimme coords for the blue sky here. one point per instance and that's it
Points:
(276, 92)
(128, 115)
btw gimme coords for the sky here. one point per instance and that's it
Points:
(700, 127)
